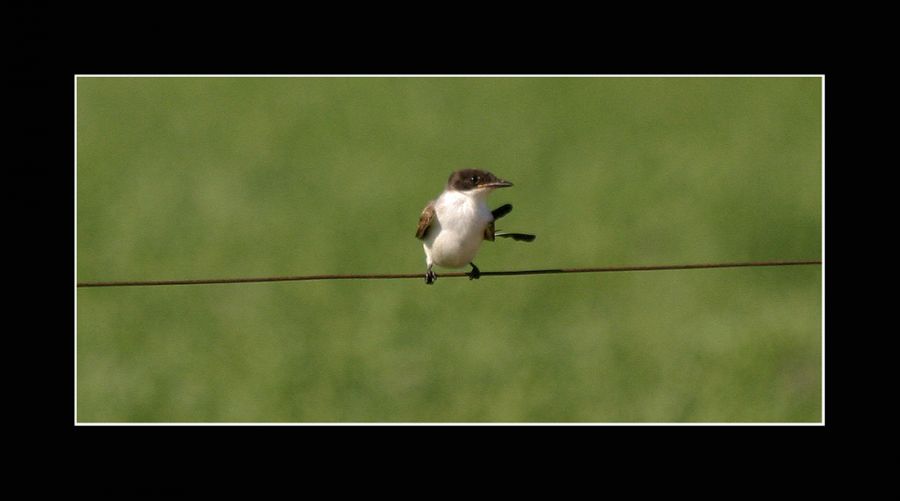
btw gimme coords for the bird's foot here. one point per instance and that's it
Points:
(475, 274)
(430, 277)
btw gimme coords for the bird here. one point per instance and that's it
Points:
(453, 225)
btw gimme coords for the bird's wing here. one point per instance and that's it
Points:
(497, 214)
(489, 231)
(425, 220)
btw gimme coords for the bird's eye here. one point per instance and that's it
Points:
(474, 179)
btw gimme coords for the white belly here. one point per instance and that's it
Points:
(452, 250)
(456, 235)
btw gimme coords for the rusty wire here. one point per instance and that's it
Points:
(298, 278)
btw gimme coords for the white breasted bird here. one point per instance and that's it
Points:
(453, 225)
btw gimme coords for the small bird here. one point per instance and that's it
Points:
(453, 225)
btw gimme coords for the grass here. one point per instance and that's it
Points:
(219, 177)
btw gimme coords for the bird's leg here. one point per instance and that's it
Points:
(430, 277)
(475, 273)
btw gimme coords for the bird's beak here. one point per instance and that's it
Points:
(498, 184)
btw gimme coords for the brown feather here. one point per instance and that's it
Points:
(425, 220)
(489, 232)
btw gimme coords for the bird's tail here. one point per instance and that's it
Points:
(521, 237)
(501, 211)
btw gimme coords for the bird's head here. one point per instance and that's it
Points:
(475, 181)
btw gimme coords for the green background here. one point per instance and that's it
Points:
(182, 178)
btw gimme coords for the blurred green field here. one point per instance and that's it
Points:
(227, 177)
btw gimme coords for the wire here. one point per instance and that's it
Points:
(421, 276)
